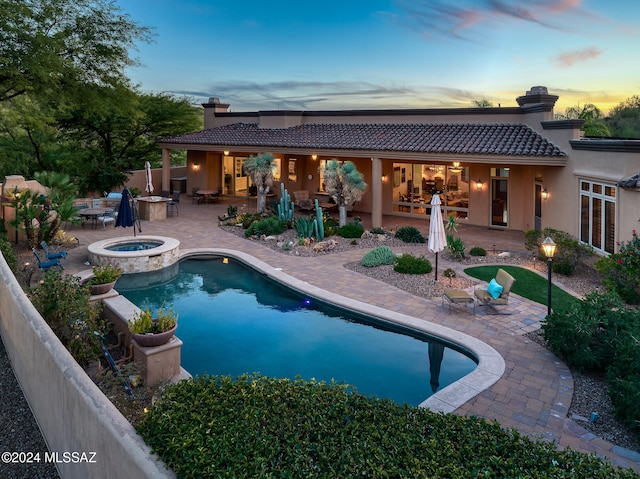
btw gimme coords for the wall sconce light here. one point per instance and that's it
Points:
(479, 185)
(384, 178)
(195, 167)
(314, 157)
(226, 152)
(545, 194)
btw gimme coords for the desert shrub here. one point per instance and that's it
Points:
(216, 426)
(66, 307)
(9, 253)
(377, 231)
(478, 251)
(449, 273)
(586, 335)
(331, 225)
(621, 271)
(409, 234)
(272, 225)
(569, 251)
(378, 256)
(351, 230)
(410, 264)
(455, 247)
(247, 219)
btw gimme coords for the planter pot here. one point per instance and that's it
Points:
(102, 288)
(151, 340)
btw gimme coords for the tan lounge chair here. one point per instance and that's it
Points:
(485, 298)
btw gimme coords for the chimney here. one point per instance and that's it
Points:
(538, 95)
(217, 106)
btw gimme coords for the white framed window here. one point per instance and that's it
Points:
(598, 215)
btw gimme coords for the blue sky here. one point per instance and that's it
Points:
(348, 54)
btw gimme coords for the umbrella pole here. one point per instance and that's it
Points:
(436, 266)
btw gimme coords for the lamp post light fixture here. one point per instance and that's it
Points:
(549, 249)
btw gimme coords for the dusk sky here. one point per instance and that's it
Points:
(351, 54)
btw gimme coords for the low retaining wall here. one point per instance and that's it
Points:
(71, 411)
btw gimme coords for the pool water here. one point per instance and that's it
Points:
(234, 320)
(134, 246)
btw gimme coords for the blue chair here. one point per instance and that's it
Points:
(49, 254)
(45, 265)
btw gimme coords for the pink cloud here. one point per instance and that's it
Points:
(578, 56)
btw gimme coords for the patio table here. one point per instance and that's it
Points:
(92, 214)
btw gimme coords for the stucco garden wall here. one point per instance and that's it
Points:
(73, 414)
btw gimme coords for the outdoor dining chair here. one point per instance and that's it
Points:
(49, 254)
(195, 197)
(173, 204)
(106, 218)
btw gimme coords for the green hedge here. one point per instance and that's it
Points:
(257, 427)
(600, 333)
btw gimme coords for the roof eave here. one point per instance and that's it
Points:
(523, 160)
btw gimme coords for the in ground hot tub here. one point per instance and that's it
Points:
(135, 254)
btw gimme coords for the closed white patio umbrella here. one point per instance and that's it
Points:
(437, 237)
(147, 168)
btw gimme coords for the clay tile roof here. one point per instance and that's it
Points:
(453, 138)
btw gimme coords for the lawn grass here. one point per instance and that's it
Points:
(528, 284)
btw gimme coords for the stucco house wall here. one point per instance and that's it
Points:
(557, 170)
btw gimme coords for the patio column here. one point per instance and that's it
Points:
(376, 193)
(166, 169)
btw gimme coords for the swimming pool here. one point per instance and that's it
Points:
(233, 320)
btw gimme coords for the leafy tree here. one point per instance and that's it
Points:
(482, 103)
(260, 170)
(97, 135)
(29, 139)
(60, 43)
(345, 184)
(594, 124)
(624, 119)
(115, 130)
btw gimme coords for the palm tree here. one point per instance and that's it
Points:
(594, 124)
(260, 170)
(345, 184)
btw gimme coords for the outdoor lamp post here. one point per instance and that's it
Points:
(549, 249)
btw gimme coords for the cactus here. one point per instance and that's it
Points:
(285, 207)
(319, 220)
(304, 227)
